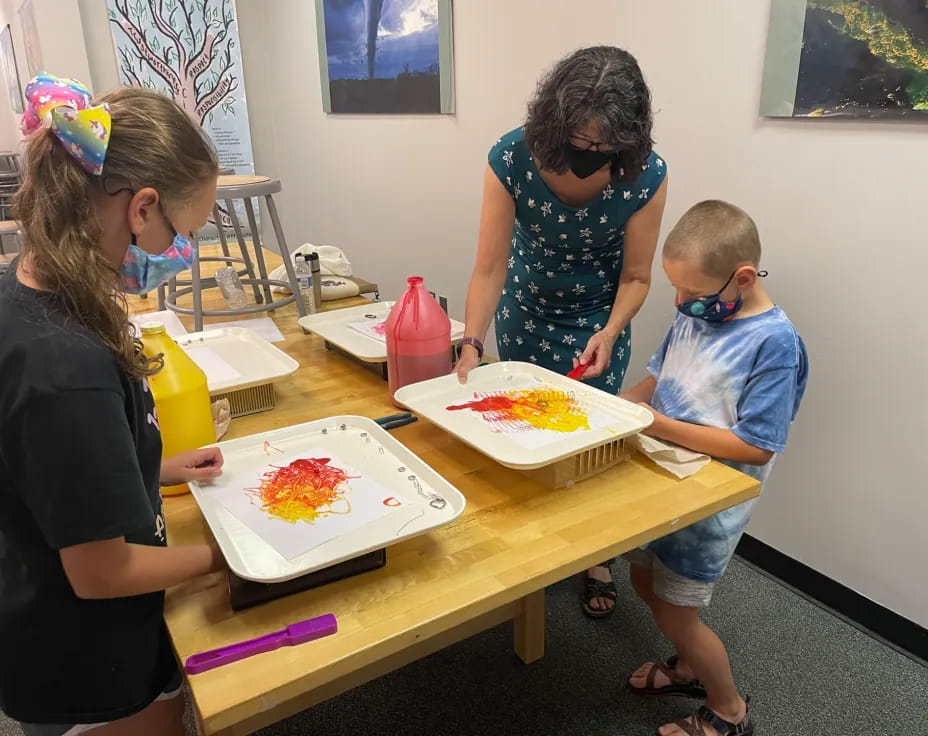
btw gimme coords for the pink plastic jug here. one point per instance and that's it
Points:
(418, 336)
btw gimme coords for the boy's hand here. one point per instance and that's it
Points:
(194, 465)
(660, 421)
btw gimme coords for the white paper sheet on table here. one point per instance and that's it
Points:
(172, 325)
(264, 326)
(534, 438)
(366, 500)
(374, 329)
(677, 460)
(212, 364)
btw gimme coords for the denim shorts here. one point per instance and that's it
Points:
(172, 690)
(669, 586)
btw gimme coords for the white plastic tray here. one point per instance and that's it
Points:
(369, 449)
(235, 358)
(431, 398)
(334, 328)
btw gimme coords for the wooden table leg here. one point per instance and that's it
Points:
(528, 628)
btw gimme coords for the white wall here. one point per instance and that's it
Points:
(61, 39)
(9, 137)
(101, 58)
(401, 194)
(840, 206)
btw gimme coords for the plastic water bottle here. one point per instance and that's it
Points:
(304, 280)
(181, 394)
(418, 336)
(230, 286)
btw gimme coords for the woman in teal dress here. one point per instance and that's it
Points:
(572, 207)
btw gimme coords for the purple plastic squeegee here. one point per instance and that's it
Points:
(298, 633)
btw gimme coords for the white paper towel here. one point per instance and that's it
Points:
(677, 460)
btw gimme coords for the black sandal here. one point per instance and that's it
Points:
(692, 726)
(678, 687)
(597, 589)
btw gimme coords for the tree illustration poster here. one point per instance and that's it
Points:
(189, 50)
(847, 59)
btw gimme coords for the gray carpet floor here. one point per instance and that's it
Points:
(809, 674)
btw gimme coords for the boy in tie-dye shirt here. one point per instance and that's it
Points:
(727, 382)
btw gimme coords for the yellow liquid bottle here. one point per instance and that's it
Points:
(181, 398)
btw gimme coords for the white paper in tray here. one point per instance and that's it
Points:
(358, 502)
(264, 326)
(346, 329)
(217, 370)
(411, 507)
(584, 417)
(235, 358)
(376, 329)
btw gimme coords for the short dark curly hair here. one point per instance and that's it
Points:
(602, 85)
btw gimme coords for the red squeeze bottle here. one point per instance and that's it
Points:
(418, 336)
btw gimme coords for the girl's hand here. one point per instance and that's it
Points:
(194, 465)
(466, 363)
(598, 354)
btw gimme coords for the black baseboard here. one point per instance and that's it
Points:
(907, 636)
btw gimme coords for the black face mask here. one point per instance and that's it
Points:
(584, 163)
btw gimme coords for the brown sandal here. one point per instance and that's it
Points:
(593, 588)
(692, 726)
(678, 686)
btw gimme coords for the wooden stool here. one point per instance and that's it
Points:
(244, 188)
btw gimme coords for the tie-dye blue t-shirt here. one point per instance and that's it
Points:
(747, 375)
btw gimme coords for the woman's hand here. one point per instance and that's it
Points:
(194, 465)
(466, 363)
(598, 354)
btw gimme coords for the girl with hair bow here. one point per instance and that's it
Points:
(113, 189)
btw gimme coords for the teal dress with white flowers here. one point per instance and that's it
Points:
(565, 263)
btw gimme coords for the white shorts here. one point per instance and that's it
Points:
(669, 586)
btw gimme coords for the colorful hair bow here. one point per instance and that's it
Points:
(64, 106)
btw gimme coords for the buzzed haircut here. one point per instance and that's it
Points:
(719, 235)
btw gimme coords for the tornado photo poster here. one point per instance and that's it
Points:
(386, 56)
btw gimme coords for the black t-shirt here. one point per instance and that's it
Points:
(80, 456)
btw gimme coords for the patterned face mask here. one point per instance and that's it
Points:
(142, 272)
(711, 308)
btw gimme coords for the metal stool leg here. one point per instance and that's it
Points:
(197, 293)
(217, 219)
(259, 248)
(285, 254)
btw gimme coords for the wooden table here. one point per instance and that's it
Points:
(490, 566)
